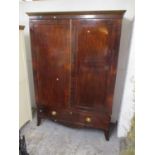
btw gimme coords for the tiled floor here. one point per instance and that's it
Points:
(54, 139)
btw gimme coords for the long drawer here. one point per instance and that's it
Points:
(85, 119)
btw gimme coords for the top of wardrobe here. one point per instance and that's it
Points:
(78, 14)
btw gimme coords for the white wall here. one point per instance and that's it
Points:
(84, 5)
(128, 100)
(25, 113)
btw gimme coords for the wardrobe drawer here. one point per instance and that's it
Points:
(60, 115)
(93, 120)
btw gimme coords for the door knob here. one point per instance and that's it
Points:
(106, 68)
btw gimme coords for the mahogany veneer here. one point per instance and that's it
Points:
(74, 56)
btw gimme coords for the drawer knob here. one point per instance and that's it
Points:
(88, 119)
(53, 113)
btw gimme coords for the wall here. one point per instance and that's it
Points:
(25, 113)
(84, 5)
(128, 100)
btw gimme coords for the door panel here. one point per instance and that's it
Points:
(91, 39)
(53, 62)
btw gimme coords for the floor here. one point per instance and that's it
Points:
(51, 138)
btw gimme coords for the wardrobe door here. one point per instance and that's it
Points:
(91, 56)
(51, 62)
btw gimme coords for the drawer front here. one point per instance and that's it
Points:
(93, 120)
(85, 119)
(61, 115)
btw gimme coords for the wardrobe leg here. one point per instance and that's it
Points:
(108, 132)
(107, 135)
(38, 120)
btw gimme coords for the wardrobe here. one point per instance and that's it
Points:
(74, 59)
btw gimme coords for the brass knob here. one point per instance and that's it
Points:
(88, 119)
(53, 113)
